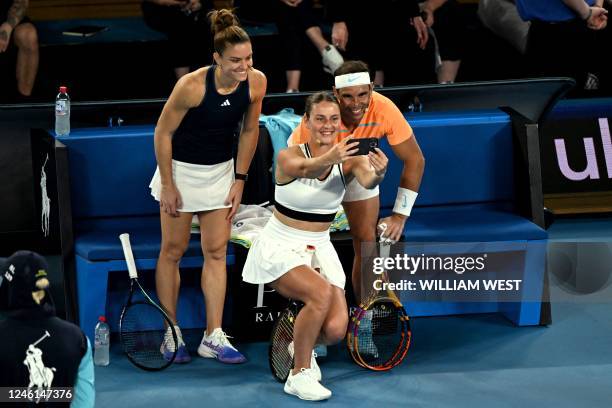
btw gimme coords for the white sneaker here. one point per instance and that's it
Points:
(218, 346)
(168, 343)
(332, 59)
(305, 386)
(316, 371)
(167, 347)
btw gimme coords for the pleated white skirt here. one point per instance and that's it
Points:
(202, 187)
(280, 248)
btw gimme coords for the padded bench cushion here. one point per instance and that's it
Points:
(99, 240)
(110, 171)
(469, 223)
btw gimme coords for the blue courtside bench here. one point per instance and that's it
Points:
(468, 202)
(467, 196)
(482, 184)
(472, 199)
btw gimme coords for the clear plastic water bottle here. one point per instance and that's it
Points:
(102, 342)
(62, 112)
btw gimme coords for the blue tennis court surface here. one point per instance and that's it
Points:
(464, 361)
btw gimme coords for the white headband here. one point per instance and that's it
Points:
(354, 79)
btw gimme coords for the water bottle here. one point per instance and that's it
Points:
(102, 342)
(62, 112)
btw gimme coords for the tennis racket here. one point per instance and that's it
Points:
(279, 357)
(146, 332)
(379, 332)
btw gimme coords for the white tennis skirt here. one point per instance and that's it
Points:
(280, 248)
(202, 187)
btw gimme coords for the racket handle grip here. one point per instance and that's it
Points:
(129, 256)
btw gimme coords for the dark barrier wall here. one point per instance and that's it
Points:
(16, 189)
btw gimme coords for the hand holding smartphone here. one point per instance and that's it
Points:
(365, 145)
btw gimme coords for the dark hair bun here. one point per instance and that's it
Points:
(222, 19)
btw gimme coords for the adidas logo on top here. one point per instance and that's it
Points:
(226, 103)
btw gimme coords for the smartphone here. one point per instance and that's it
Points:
(366, 145)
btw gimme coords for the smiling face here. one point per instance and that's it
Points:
(354, 101)
(235, 61)
(323, 121)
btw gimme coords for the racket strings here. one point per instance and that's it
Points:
(143, 334)
(281, 360)
(381, 335)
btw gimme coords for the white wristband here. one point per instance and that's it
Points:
(404, 201)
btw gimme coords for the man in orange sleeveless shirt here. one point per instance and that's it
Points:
(366, 113)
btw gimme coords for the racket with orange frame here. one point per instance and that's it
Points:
(379, 331)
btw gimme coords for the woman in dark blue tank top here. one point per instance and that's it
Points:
(193, 145)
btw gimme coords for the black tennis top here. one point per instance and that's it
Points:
(206, 133)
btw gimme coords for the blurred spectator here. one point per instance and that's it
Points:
(184, 23)
(564, 40)
(17, 30)
(502, 17)
(447, 28)
(294, 18)
(396, 33)
(42, 350)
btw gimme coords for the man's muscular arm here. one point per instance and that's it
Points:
(414, 164)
